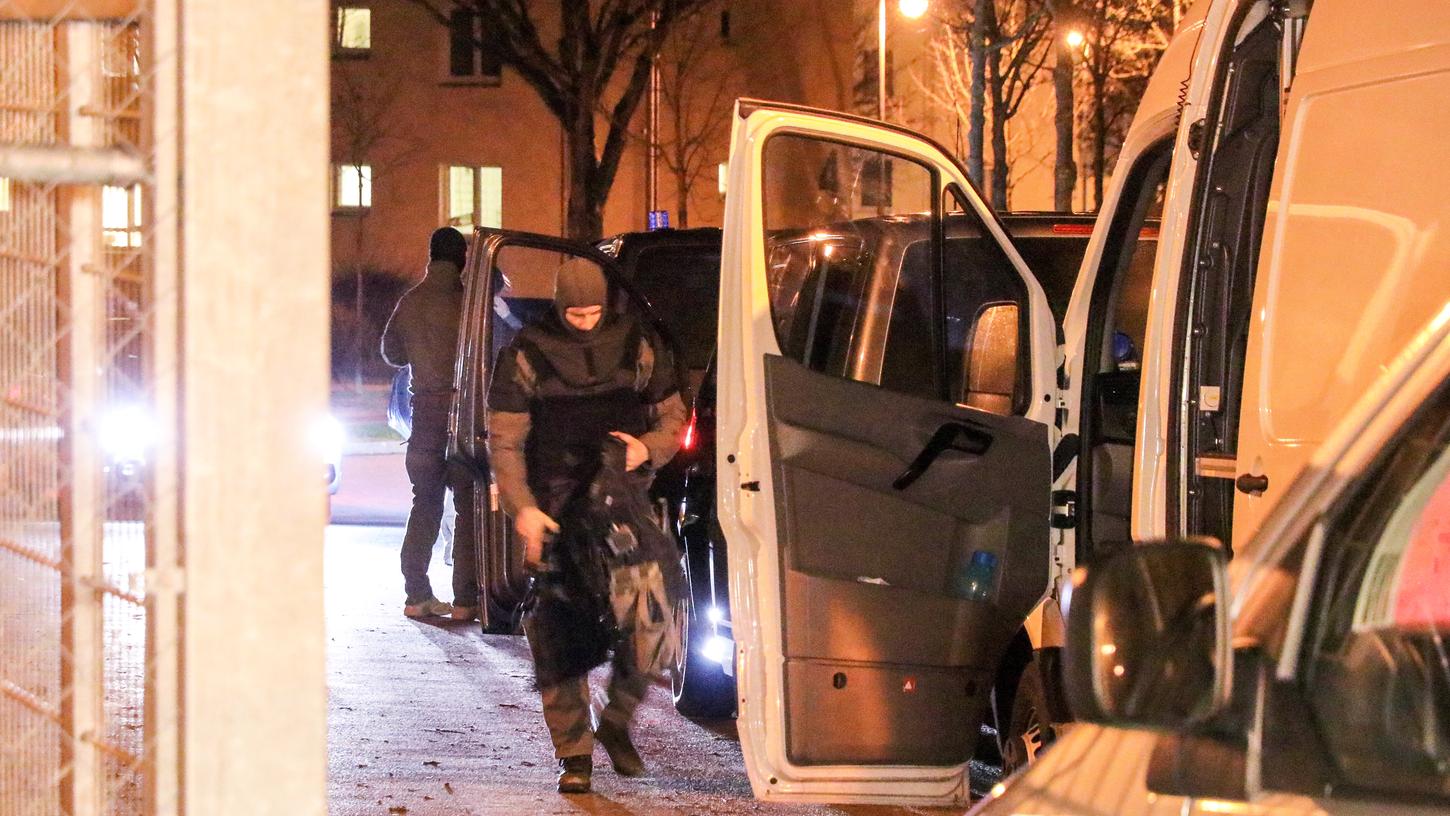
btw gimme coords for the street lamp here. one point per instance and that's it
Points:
(910, 9)
(1075, 38)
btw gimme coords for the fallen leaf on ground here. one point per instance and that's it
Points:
(432, 762)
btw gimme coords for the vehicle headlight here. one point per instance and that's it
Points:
(127, 433)
(328, 438)
(718, 649)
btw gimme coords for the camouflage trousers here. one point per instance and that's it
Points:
(647, 641)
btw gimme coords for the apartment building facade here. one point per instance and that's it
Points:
(428, 130)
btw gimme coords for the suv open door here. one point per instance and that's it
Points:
(884, 443)
(526, 263)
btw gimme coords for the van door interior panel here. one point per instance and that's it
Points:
(871, 587)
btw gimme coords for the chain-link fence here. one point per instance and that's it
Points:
(77, 408)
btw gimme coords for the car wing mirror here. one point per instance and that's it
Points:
(1148, 641)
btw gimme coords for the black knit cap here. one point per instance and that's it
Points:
(448, 244)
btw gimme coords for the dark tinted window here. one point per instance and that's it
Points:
(1055, 262)
(683, 285)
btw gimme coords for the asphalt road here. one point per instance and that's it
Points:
(438, 718)
(374, 489)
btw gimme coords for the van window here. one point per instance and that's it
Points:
(847, 297)
(1376, 669)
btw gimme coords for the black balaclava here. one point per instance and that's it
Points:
(592, 359)
(448, 244)
(580, 282)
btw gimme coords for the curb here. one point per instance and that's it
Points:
(379, 448)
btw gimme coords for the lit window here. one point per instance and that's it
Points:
(121, 216)
(5, 195)
(473, 196)
(354, 29)
(490, 196)
(354, 186)
(460, 196)
(468, 58)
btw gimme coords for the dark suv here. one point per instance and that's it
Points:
(669, 277)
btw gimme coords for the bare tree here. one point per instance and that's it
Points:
(1064, 165)
(698, 86)
(595, 74)
(985, 60)
(1015, 58)
(1123, 42)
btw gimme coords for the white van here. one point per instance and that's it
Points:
(901, 523)
(1308, 677)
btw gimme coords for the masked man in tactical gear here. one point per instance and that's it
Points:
(583, 398)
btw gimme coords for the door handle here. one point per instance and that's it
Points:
(951, 436)
(1251, 484)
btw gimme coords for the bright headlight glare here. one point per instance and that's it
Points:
(717, 649)
(127, 433)
(714, 614)
(328, 437)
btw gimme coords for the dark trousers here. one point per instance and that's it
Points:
(432, 475)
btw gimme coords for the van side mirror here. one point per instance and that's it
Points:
(990, 375)
(1148, 641)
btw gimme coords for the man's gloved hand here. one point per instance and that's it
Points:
(635, 453)
(532, 524)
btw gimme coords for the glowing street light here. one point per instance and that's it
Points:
(1075, 38)
(912, 9)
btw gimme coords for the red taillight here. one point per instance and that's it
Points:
(1072, 229)
(688, 443)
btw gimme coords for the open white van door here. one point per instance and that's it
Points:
(886, 399)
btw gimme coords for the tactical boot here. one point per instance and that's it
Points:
(574, 773)
(622, 754)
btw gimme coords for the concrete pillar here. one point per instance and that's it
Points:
(251, 191)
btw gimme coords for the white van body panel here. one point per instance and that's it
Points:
(747, 517)
(1155, 406)
(1096, 770)
(1356, 255)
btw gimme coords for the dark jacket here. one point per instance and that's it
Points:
(423, 331)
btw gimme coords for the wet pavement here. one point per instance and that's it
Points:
(437, 718)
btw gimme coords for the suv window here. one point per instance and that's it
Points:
(1377, 667)
(682, 283)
